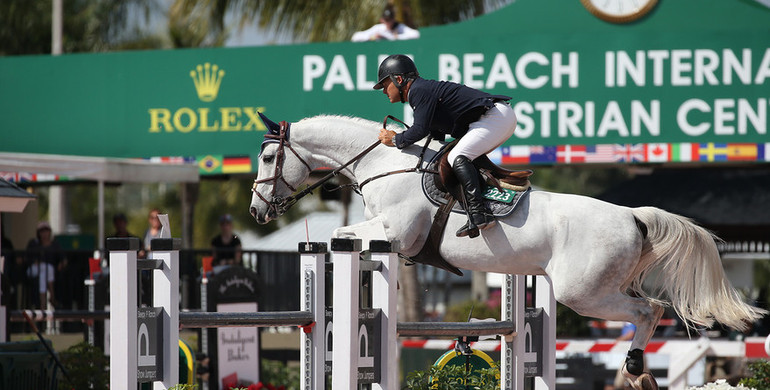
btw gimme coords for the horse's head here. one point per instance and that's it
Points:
(281, 169)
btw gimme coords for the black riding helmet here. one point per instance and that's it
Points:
(396, 65)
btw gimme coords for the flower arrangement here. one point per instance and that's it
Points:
(720, 384)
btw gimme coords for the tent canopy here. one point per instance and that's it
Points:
(100, 169)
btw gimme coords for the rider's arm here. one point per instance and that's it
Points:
(424, 106)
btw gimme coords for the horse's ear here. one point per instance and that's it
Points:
(272, 127)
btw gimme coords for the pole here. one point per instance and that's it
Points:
(385, 298)
(312, 299)
(123, 304)
(165, 294)
(345, 308)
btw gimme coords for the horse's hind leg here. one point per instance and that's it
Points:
(618, 306)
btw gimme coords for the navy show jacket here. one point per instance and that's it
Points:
(443, 107)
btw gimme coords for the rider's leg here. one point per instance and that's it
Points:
(483, 136)
(473, 191)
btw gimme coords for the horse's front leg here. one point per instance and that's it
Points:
(373, 229)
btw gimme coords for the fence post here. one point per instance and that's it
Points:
(123, 304)
(345, 307)
(385, 298)
(166, 295)
(544, 298)
(312, 299)
(513, 346)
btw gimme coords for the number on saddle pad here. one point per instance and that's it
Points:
(506, 196)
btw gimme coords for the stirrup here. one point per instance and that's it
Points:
(467, 231)
(487, 222)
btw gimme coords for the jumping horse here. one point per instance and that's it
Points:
(597, 254)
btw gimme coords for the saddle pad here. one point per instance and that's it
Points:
(438, 197)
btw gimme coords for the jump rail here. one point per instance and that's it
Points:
(133, 354)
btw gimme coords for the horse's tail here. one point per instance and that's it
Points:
(692, 277)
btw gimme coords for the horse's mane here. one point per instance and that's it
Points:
(327, 120)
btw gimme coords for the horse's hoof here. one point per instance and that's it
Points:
(645, 381)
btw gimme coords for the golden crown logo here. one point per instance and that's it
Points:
(207, 78)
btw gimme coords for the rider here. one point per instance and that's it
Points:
(481, 122)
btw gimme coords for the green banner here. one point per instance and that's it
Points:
(687, 82)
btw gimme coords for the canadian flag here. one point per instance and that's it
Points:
(657, 152)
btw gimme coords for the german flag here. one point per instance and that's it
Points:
(236, 164)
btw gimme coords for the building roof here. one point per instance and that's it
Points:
(10, 190)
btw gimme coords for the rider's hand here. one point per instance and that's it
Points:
(386, 137)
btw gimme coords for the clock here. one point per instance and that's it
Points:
(619, 11)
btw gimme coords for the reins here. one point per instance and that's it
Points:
(417, 168)
(282, 204)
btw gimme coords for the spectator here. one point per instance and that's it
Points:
(120, 223)
(6, 248)
(44, 256)
(226, 246)
(389, 29)
(152, 232)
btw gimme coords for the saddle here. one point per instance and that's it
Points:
(494, 175)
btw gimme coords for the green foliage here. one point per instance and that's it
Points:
(86, 366)
(761, 378)
(570, 324)
(280, 374)
(88, 25)
(453, 378)
(459, 312)
(328, 20)
(184, 387)
(590, 181)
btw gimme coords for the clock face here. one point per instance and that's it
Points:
(619, 11)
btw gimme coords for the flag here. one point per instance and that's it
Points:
(657, 152)
(683, 152)
(629, 153)
(542, 154)
(571, 154)
(236, 164)
(763, 152)
(208, 165)
(712, 152)
(518, 154)
(26, 177)
(743, 152)
(9, 176)
(600, 153)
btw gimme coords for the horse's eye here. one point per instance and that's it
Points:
(267, 159)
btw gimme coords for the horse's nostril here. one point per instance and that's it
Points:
(253, 211)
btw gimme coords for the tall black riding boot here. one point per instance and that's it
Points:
(478, 216)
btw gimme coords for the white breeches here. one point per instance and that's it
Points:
(487, 133)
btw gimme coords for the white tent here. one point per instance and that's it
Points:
(101, 170)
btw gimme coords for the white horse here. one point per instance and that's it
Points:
(594, 252)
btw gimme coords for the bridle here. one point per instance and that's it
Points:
(280, 205)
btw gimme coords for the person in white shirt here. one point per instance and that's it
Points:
(389, 29)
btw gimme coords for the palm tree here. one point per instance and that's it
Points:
(88, 25)
(331, 20)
